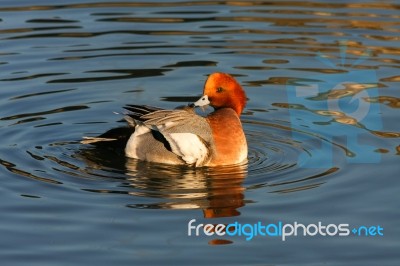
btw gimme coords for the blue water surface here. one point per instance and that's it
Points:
(322, 81)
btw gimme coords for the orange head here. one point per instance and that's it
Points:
(223, 91)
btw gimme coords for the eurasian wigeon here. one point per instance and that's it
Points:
(180, 136)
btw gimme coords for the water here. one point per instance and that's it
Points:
(322, 81)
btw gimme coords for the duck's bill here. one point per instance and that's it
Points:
(202, 102)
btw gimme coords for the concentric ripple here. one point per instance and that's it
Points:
(274, 158)
(217, 191)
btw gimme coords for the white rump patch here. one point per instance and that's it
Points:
(189, 147)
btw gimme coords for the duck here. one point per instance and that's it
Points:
(182, 137)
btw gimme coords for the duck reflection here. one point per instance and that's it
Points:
(217, 191)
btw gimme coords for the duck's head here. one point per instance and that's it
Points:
(223, 91)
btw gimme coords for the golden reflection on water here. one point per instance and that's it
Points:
(339, 117)
(346, 120)
(386, 134)
(351, 6)
(387, 100)
(391, 79)
(349, 89)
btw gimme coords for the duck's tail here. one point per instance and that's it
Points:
(116, 136)
(92, 140)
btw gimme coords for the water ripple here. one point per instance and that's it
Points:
(68, 68)
(217, 191)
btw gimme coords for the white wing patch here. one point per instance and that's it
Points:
(189, 147)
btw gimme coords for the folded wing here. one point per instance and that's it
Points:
(188, 135)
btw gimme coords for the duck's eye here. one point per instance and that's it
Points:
(219, 89)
